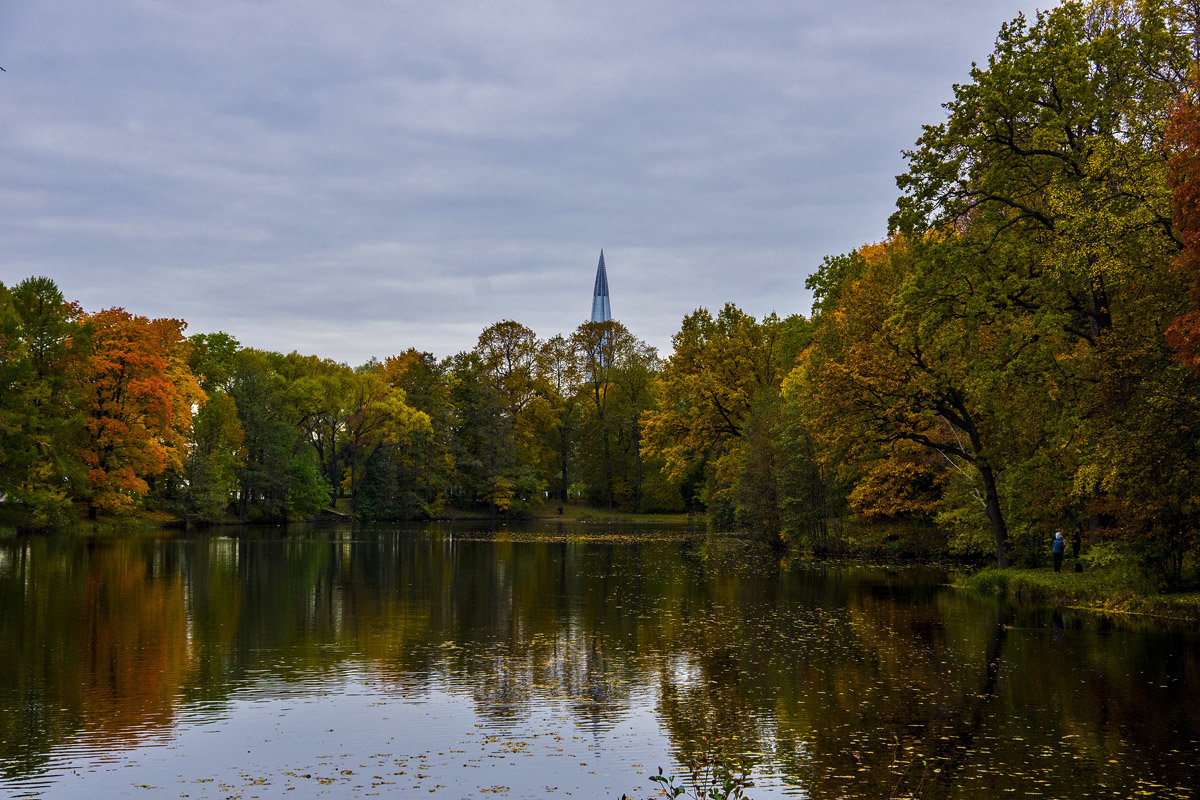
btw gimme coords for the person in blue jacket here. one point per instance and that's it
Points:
(1057, 549)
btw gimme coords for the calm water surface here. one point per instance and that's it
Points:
(450, 662)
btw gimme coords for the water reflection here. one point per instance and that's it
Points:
(843, 682)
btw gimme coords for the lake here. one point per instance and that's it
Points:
(457, 661)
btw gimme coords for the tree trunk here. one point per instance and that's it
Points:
(562, 450)
(637, 455)
(994, 514)
(608, 470)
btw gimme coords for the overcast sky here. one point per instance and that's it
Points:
(350, 179)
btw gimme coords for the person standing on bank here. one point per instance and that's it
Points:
(1057, 549)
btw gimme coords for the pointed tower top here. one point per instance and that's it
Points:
(600, 309)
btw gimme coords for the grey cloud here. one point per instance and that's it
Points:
(354, 179)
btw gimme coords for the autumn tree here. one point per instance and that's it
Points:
(1146, 460)
(504, 412)
(137, 400)
(515, 362)
(413, 479)
(912, 357)
(1051, 151)
(1044, 193)
(711, 389)
(1148, 445)
(511, 354)
(381, 426)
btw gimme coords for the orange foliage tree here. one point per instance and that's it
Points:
(138, 398)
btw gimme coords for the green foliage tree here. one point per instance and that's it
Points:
(15, 371)
(318, 392)
(40, 421)
(808, 492)
(614, 372)
(563, 377)
(280, 476)
(717, 409)
(212, 357)
(206, 490)
(489, 472)
(412, 478)
(216, 457)
(380, 420)
(1038, 239)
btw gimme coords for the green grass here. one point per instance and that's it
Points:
(1110, 589)
(582, 513)
(574, 512)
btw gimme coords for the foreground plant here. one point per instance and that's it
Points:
(708, 778)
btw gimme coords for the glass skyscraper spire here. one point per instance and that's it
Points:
(600, 309)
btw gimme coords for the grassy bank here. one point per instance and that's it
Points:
(571, 513)
(581, 513)
(342, 511)
(1115, 590)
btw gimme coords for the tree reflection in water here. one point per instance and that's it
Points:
(835, 681)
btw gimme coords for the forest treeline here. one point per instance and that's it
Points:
(1018, 356)
(109, 412)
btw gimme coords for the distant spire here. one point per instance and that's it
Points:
(600, 309)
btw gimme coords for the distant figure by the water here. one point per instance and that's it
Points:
(1057, 549)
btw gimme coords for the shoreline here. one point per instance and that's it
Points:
(1117, 589)
(1099, 590)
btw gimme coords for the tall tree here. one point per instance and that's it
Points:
(721, 367)
(319, 393)
(1148, 445)
(380, 419)
(137, 405)
(281, 477)
(614, 371)
(912, 356)
(1045, 188)
(40, 423)
(15, 371)
(488, 468)
(216, 456)
(515, 404)
(1183, 147)
(46, 340)
(638, 365)
(212, 358)
(562, 377)
(208, 486)
(414, 480)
